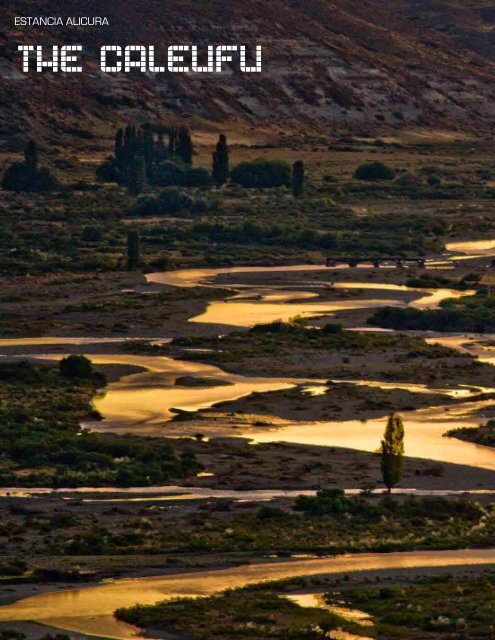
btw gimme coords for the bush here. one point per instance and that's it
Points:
(16, 178)
(172, 200)
(198, 178)
(434, 181)
(19, 177)
(374, 171)
(168, 174)
(262, 174)
(92, 234)
(146, 206)
(76, 367)
(326, 501)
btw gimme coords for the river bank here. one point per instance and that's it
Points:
(69, 609)
(215, 408)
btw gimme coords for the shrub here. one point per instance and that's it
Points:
(172, 200)
(326, 501)
(198, 178)
(146, 206)
(76, 367)
(16, 178)
(434, 181)
(262, 174)
(374, 171)
(19, 177)
(168, 174)
(333, 328)
(92, 234)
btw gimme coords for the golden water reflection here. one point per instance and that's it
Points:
(89, 609)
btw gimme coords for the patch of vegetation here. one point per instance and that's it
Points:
(262, 174)
(442, 608)
(484, 435)
(237, 613)
(280, 338)
(435, 281)
(473, 313)
(374, 171)
(42, 443)
(325, 524)
(27, 176)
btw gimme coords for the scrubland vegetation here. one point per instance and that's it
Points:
(237, 211)
(160, 202)
(43, 444)
(326, 524)
(472, 313)
(439, 608)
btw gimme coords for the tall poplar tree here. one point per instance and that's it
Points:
(297, 178)
(133, 249)
(137, 175)
(220, 162)
(31, 156)
(392, 452)
(184, 147)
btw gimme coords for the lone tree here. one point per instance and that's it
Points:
(220, 164)
(133, 249)
(76, 367)
(31, 156)
(392, 452)
(298, 178)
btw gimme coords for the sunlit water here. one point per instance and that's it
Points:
(317, 600)
(195, 277)
(259, 303)
(173, 493)
(89, 610)
(425, 429)
(145, 402)
(473, 247)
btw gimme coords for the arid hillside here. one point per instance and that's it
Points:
(469, 24)
(329, 66)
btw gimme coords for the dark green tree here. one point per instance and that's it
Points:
(28, 175)
(172, 141)
(119, 155)
(133, 249)
(76, 367)
(184, 147)
(137, 175)
(31, 156)
(297, 178)
(220, 163)
(392, 452)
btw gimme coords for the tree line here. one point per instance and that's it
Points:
(159, 155)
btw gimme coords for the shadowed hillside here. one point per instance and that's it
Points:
(362, 65)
